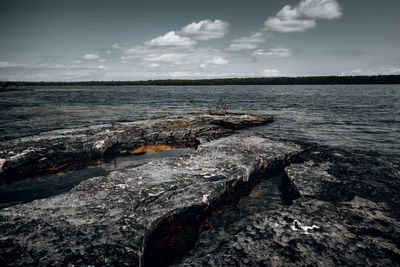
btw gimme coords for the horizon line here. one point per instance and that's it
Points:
(342, 78)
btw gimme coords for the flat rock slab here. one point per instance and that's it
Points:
(345, 212)
(118, 219)
(55, 151)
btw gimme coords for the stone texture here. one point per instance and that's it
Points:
(54, 151)
(120, 219)
(344, 213)
(340, 208)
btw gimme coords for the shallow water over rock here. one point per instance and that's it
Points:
(263, 196)
(44, 186)
(120, 218)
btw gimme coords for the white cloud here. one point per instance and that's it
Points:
(167, 58)
(101, 60)
(247, 42)
(303, 16)
(4, 64)
(218, 61)
(320, 9)
(354, 72)
(381, 70)
(78, 61)
(281, 25)
(171, 39)
(391, 71)
(152, 65)
(271, 73)
(102, 67)
(206, 29)
(91, 56)
(274, 52)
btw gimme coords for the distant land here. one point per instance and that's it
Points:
(379, 79)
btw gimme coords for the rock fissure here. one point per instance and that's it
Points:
(176, 235)
(79, 148)
(335, 217)
(117, 214)
(336, 208)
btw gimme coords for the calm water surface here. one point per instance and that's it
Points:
(350, 116)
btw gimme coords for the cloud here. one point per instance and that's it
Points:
(151, 65)
(391, 71)
(101, 67)
(303, 16)
(116, 46)
(382, 70)
(91, 56)
(274, 52)
(281, 25)
(247, 42)
(6, 64)
(354, 72)
(216, 61)
(271, 73)
(78, 61)
(101, 60)
(320, 9)
(167, 58)
(171, 39)
(206, 30)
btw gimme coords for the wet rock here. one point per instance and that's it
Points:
(55, 151)
(146, 215)
(344, 211)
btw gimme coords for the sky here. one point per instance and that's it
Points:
(84, 40)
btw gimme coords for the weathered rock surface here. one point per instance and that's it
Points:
(345, 211)
(340, 208)
(59, 150)
(146, 215)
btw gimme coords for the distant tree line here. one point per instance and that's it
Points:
(381, 79)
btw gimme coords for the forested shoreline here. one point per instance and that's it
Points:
(321, 80)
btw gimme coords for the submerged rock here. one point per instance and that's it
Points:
(344, 211)
(60, 150)
(147, 215)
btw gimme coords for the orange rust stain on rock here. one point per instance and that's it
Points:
(181, 125)
(146, 148)
(217, 111)
(57, 167)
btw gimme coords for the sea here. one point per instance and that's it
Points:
(351, 117)
(365, 117)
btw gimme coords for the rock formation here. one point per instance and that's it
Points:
(338, 207)
(55, 151)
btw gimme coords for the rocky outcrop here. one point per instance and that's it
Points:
(147, 215)
(60, 150)
(343, 212)
(337, 207)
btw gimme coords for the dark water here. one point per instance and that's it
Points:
(352, 116)
(49, 185)
(265, 195)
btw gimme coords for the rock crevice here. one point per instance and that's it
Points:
(62, 150)
(108, 220)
